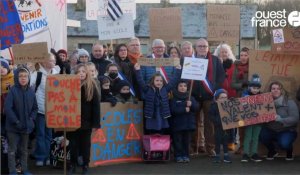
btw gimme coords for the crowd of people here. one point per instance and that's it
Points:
(168, 106)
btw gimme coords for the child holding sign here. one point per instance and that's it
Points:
(221, 136)
(21, 109)
(156, 100)
(80, 140)
(252, 132)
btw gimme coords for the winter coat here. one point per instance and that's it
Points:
(20, 108)
(240, 77)
(229, 69)
(7, 81)
(100, 64)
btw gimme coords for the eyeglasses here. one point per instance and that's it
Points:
(159, 48)
(202, 46)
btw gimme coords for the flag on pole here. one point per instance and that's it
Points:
(114, 10)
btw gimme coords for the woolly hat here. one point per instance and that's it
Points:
(218, 92)
(255, 81)
(83, 52)
(62, 51)
(121, 84)
(103, 80)
(4, 63)
(183, 81)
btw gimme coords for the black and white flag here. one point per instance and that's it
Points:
(114, 10)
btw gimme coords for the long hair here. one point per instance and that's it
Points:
(151, 82)
(229, 51)
(284, 93)
(116, 54)
(176, 48)
(89, 83)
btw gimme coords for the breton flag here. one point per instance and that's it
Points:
(114, 10)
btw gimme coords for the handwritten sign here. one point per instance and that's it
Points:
(63, 101)
(194, 68)
(31, 52)
(223, 23)
(246, 111)
(272, 66)
(290, 43)
(10, 28)
(119, 139)
(121, 28)
(159, 62)
(165, 23)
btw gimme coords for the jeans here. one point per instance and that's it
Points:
(16, 140)
(285, 139)
(221, 137)
(182, 143)
(251, 139)
(43, 139)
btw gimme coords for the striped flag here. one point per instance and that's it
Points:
(114, 10)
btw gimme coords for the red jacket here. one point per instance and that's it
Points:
(227, 82)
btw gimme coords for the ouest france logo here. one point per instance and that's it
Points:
(275, 18)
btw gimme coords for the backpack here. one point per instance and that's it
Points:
(38, 80)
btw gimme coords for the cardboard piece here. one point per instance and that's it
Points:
(194, 68)
(165, 23)
(291, 41)
(119, 139)
(223, 23)
(30, 52)
(63, 101)
(246, 111)
(159, 62)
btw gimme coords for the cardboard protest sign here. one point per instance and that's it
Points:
(223, 23)
(119, 139)
(271, 66)
(194, 68)
(246, 111)
(165, 23)
(30, 52)
(63, 101)
(159, 62)
(121, 28)
(289, 38)
(10, 28)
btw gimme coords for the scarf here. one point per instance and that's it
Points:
(242, 71)
(133, 57)
(278, 101)
(227, 64)
(180, 95)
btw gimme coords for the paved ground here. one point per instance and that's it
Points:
(199, 165)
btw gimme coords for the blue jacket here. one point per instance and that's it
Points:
(20, 107)
(182, 120)
(149, 93)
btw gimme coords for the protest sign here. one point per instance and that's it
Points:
(159, 62)
(119, 139)
(223, 23)
(63, 101)
(271, 66)
(30, 52)
(10, 28)
(246, 111)
(165, 23)
(194, 68)
(289, 38)
(121, 28)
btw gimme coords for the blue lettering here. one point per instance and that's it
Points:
(117, 118)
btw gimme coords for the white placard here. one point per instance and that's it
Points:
(96, 8)
(73, 23)
(121, 28)
(278, 36)
(194, 68)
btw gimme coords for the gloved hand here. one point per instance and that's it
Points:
(113, 101)
(278, 118)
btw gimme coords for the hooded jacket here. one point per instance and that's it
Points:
(20, 107)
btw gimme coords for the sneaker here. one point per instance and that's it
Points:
(84, 170)
(256, 158)
(39, 163)
(289, 156)
(179, 159)
(245, 158)
(217, 159)
(231, 146)
(271, 155)
(227, 159)
(27, 173)
(186, 159)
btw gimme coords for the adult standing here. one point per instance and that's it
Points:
(203, 90)
(134, 50)
(284, 129)
(99, 59)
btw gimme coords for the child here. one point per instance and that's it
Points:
(20, 108)
(221, 136)
(124, 94)
(80, 140)
(156, 100)
(94, 73)
(106, 95)
(252, 132)
(183, 121)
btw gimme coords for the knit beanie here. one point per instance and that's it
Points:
(62, 51)
(255, 81)
(121, 84)
(218, 92)
(83, 52)
(4, 63)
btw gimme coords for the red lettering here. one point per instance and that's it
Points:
(56, 96)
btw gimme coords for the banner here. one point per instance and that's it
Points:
(194, 68)
(119, 139)
(63, 101)
(159, 62)
(250, 110)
